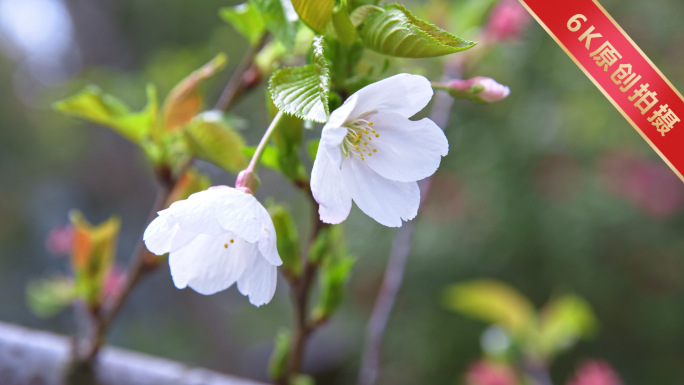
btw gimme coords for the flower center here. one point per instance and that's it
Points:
(360, 135)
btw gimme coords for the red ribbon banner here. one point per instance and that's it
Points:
(597, 44)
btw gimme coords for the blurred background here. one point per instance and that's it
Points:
(550, 191)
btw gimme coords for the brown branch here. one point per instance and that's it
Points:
(236, 86)
(301, 289)
(37, 357)
(401, 248)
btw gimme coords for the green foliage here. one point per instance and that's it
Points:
(246, 19)
(278, 21)
(344, 28)
(563, 321)
(211, 138)
(492, 301)
(303, 91)
(473, 13)
(92, 256)
(312, 148)
(334, 275)
(269, 158)
(185, 101)
(47, 297)
(359, 15)
(93, 105)
(397, 32)
(277, 365)
(288, 240)
(314, 13)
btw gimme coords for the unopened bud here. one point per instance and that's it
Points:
(480, 89)
(247, 181)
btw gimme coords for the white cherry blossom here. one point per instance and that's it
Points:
(371, 153)
(216, 238)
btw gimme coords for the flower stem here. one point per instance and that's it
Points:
(254, 163)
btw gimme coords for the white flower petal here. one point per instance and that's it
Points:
(403, 94)
(328, 189)
(198, 213)
(268, 245)
(406, 150)
(333, 132)
(207, 265)
(159, 234)
(241, 214)
(259, 281)
(384, 200)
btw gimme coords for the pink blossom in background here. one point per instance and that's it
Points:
(507, 21)
(649, 184)
(59, 240)
(595, 372)
(490, 373)
(115, 282)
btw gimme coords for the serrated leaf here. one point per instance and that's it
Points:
(359, 15)
(345, 29)
(280, 19)
(211, 139)
(397, 32)
(494, 302)
(303, 91)
(314, 13)
(93, 105)
(246, 19)
(184, 101)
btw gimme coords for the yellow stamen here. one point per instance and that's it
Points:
(377, 135)
(225, 245)
(375, 150)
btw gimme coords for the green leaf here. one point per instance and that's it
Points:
(312, 148)
(494, 302)
(93, 105)
(314, 13)
(47, 297)
(397, 32)
(246, 19)
(334, 276)
(359, 15)
(345, 29)
(277, 365)
(562, 322)
(184, 101)
(303, 91)
(268, 159)
(287, 240)
(211, 139)
(280, 19)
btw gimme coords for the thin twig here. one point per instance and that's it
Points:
(235, 86)
(401, 248)
(137, 268)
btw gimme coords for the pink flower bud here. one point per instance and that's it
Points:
(480, 89)
(507, 21)
(59, 240)
(115, 282)
(247, 181)
(596, 373)
(490, 373)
